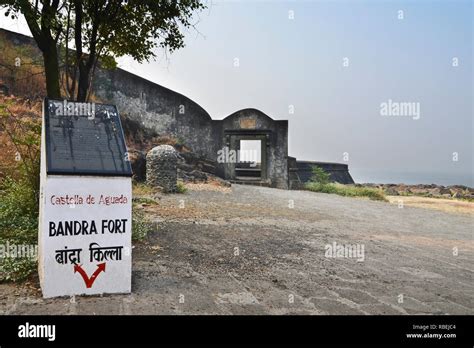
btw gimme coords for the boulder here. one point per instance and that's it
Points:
(161, 168)
(444, 191)
(391, 191)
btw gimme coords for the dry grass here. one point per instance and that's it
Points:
(21, 69)
(142, 189)
(209, 186)
(446, 205)
(20, 119)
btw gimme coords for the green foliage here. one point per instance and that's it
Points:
(141, 226)
(18, 226)
(105, 30)
(108, 62)
(19, 191)
(320, 182)
(18, 208)
(144, 200)
(136, 28)
(16, 269)
(348, 191)
(180, 187)
(319, 175)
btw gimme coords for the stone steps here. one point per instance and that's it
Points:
(251, 182)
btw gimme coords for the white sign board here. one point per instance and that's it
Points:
(85, 222)
(85, 241)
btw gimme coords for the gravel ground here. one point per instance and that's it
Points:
(255, 250)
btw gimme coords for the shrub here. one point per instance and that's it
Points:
(180, 187)
(348, 191)
(20, 129)
(320, 175)
(141, 226)
(320, 182)
(18, 226)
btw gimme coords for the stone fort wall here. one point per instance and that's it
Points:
(166, 112)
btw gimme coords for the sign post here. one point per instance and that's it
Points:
(85, 220)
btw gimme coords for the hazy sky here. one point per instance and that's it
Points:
(299, 62)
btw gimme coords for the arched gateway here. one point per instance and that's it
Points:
(255, 149)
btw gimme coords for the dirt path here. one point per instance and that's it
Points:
(255, 250)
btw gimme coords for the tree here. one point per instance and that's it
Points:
(43, 19)
(320, 176)
(93, 32)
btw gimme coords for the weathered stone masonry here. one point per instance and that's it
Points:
(169, 113)
(161, 168)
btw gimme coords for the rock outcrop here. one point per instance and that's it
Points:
(430, 190)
